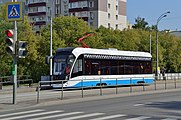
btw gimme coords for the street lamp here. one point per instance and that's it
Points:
(150, 38)
(158, 20)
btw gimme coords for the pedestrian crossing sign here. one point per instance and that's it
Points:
(14, 11)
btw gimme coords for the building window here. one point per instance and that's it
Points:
(73, 5)
(91, 15)
(109, 5)
(109, 25)
(91, 4)
(116, 26)
(109, 15)
(57, 2)
(83, 4)
(116, 7)
(57, 10)
(116, 17)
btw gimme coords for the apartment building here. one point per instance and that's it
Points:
(108, 13)
(40, 12)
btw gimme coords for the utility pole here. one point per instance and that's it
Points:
(51, 48)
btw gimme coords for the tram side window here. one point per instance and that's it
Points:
(95, 66)
(77, 70)
(87, 67)
(136, 67)
(128, 67)
(147, 67)
(105, 68)
(114, 68)
(121, 68)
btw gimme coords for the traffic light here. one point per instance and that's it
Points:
(22, 51)
(11, 44)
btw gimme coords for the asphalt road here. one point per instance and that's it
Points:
(154, 106)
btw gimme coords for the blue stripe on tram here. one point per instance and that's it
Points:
(93, 83)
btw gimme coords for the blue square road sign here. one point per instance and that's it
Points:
(14, 11)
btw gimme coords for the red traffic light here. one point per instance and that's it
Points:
(9, 33)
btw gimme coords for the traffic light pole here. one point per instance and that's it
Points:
(15, 65)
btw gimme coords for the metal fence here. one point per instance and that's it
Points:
(172, 81)
(37, 94)
(21, 79)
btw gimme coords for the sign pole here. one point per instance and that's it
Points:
(14, 13)
(15, 63)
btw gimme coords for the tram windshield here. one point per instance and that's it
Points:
(62, 64)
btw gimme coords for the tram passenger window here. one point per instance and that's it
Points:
(94, 67)
(142, 67)
(121, 68)
(114, 68)
(105, 68)
(78, 66)
(77, 70)
(148, 68)
(87, 67)
(136, 68)
(128, 68)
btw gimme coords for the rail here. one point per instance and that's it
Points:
(21, 79)
(141, 85)
(157, 85)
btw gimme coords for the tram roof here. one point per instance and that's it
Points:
(79, 51)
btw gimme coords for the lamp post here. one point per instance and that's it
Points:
(158, 20)
(150, 39)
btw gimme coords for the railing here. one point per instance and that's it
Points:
(172, 81)
(20, 79)
(157, 85)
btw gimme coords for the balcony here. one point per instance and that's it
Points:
(37, 4)
(36, 13)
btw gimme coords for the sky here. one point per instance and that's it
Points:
(152, 9)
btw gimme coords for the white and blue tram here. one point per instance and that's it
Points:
(88, 67)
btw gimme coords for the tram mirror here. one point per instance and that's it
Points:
(47, 60)
(70, 59)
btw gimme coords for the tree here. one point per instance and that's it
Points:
(140, 23)
(69, 29)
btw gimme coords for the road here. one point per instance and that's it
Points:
(154, 106)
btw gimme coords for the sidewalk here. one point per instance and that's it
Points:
(6, 97)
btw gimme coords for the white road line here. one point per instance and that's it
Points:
(81, 116)
(138, 105)
(31, 115)
(108, 117)
(138, 118)
(53, 116)
(18, 113)
(168, 119)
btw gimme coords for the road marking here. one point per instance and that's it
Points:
(138, 118)
(168, 119)
(18, 113)
(138, 105)
(53, 116)
(148, 103)
(31, 115)
(108, 117)
(81, 116)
